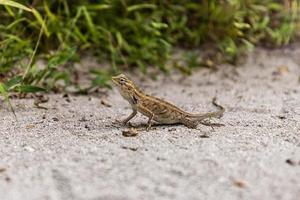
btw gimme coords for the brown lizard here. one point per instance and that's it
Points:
(157, 109)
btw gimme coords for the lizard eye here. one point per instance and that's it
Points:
(122, 81)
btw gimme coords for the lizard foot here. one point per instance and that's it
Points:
(123, 123)
(190, 124)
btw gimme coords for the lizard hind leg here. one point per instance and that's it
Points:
(190, 123)
(149, 123)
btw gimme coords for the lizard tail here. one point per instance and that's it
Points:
(216, 114)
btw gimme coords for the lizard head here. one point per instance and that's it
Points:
(124, 85)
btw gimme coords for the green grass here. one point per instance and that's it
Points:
(130, 34)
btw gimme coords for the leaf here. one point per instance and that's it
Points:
(159, 25)
(14, 4)
(62, 57)
(13, 82)
(119, 39)
(275, 6)
(3, 90)
(51, 16)
(4, 93)
(9, 10)
(98, 7)
(29, 89)
(248, 45)
(102, 78)
(101, 81)
(242, 25)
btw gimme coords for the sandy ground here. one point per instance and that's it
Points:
(75, 149)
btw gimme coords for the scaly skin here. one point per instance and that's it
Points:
(157, 109)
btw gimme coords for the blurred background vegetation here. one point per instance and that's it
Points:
(130, 34)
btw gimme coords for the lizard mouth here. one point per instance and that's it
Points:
(114, 80)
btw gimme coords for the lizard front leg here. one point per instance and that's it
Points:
(148, 113)
(125, 121)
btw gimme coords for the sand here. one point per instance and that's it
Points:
(76, 150)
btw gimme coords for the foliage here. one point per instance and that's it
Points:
(130, 33)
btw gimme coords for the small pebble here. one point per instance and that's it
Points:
(29, 149)
(132, 132)
(55, 119)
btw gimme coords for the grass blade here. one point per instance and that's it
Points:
(90, 23)
(41, 21)
(141, 6)
(33, 54)
(98, 7)
(14, 4)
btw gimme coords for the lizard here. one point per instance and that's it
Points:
(157, 109)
